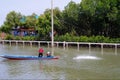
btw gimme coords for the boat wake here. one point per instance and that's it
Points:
(87, 57)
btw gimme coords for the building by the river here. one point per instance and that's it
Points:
(21, 31)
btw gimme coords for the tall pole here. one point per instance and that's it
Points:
(52, 23)
(52, 26)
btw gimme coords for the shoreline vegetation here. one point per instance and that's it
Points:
(65, 41)
(68, 38)
(91, 21)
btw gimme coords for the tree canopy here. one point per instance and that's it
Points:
(90, 18)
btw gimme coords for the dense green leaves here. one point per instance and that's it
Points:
(13, 19)
(31, 21)
(90, 18)
(103, 17)
(95, 39)
(70, 17)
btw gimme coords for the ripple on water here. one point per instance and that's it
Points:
(86, 57)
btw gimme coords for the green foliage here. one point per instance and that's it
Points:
(27, 38)
(96, 39)
(17, 38)
(76, 22)
(70, 17)
(31, 21)
(44, 24)
(13, 19)
(9, 37)
(5, 28)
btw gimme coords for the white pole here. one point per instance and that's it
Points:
(52, 23)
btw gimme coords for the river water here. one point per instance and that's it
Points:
(73, 64)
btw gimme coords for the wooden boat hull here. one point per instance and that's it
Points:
(17, 57)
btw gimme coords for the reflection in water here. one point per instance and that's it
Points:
(73, 64)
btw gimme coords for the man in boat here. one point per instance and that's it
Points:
(40, 52)
(48, 54)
